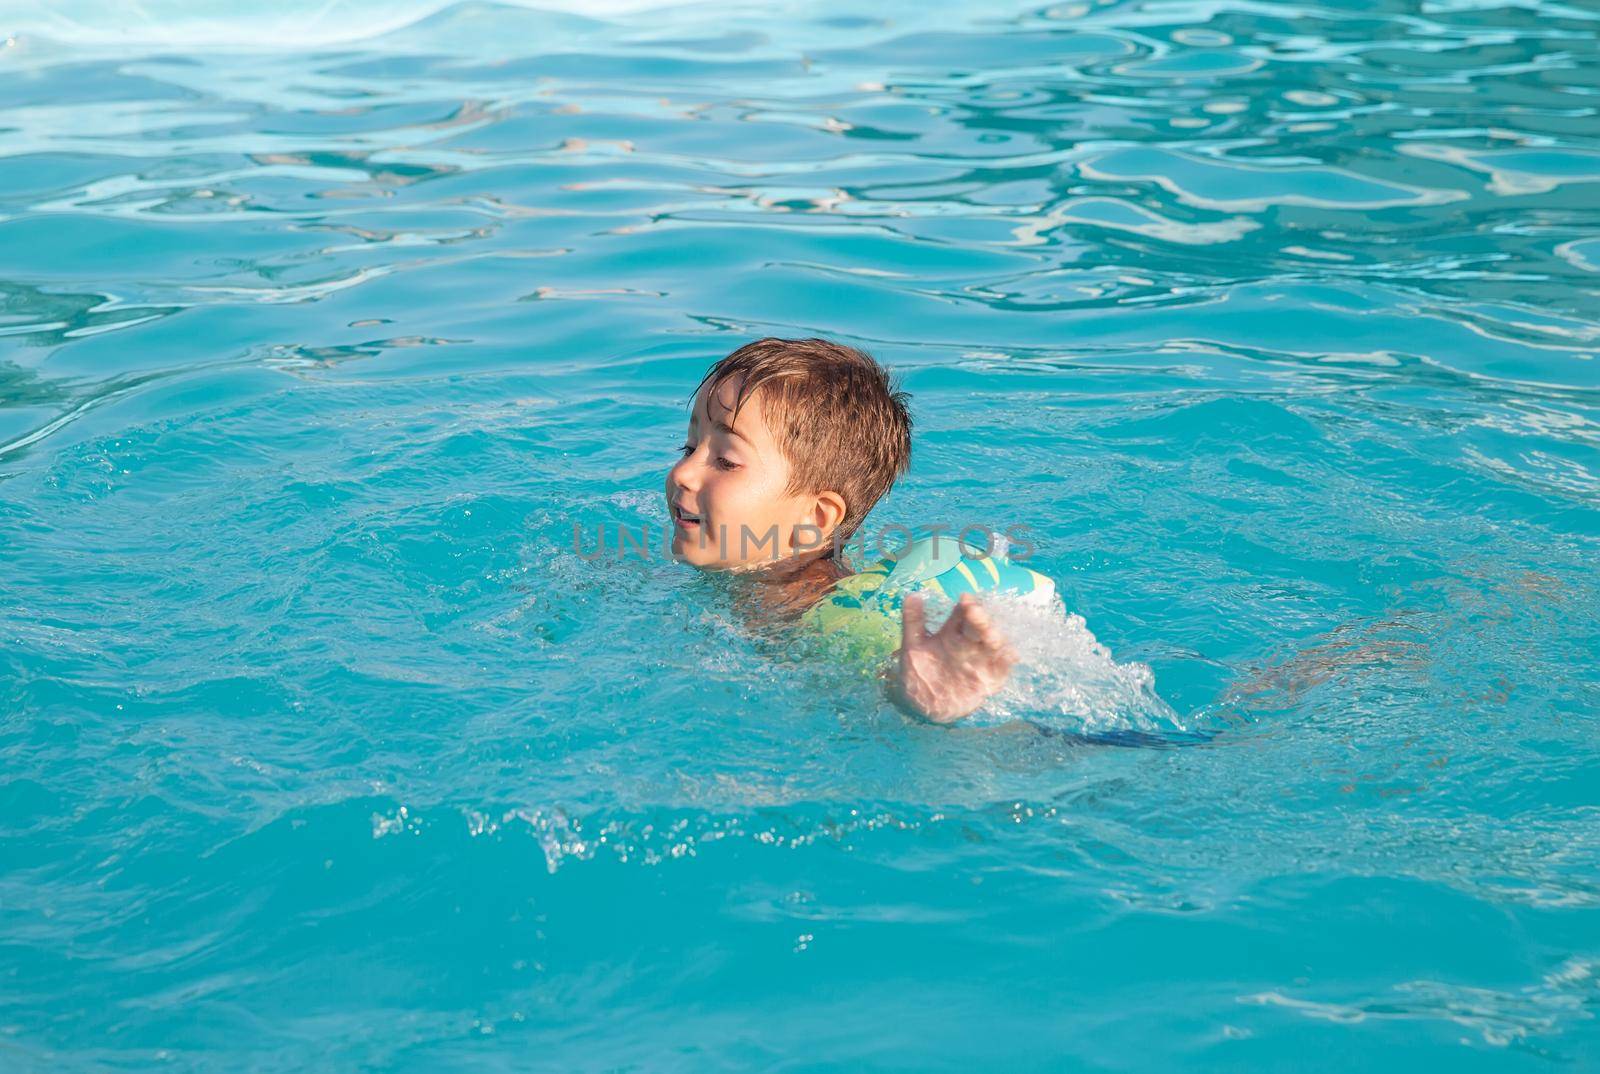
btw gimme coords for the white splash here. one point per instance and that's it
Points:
(1064, 676)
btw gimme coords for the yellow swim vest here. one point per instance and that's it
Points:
(862, 611)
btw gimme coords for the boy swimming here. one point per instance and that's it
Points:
(791, 442)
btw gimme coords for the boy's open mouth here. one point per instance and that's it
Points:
(684, 518)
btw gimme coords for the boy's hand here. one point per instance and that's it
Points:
(947, 675)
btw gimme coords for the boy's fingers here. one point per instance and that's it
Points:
(912, 620)
(977, 631)
(972, 622)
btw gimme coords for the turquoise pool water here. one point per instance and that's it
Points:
(319, 330)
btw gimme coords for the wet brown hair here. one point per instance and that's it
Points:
(839, 420)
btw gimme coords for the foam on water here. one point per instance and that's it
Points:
(1064, 678)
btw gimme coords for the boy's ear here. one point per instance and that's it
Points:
(827, 512)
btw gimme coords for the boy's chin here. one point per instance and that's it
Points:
(689, 550)
(707, 555)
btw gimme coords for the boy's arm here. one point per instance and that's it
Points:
(948, 675)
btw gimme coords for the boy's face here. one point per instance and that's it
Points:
(728, 494)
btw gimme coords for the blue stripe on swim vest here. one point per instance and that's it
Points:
(985, 574)
(965, 567)
(989, 568)
(1015, 579)
(955, 582)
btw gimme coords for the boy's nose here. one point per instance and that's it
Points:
(683, 474)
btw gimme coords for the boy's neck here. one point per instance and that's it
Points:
(789, 587)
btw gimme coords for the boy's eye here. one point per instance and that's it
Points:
(725, 463)
(686, 449)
